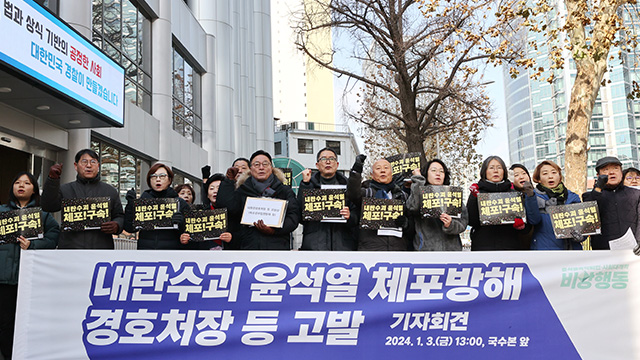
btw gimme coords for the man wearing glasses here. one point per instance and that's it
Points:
(618, 204)
(322, 235)
(87, 185)
(262, 180)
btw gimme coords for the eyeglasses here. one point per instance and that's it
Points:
(436, 171)
(160, 176)
(495, 167)
(631, 178)
(263, 164)
(327, 159)
(84, 162)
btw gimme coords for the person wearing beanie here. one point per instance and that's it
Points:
(619, 205)
(262, 180)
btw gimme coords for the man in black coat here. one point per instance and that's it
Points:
(263, 180)
(619, 205)
(322, 235)
(87, 185)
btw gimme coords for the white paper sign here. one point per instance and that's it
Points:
(625, 242)
(270, 211)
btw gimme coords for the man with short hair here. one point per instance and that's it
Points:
(381, 186)
(262, 180)
(320, 235)
(618, 204)
(87, 185)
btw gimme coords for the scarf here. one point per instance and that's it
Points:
(489, 186)
(560, 193)
(264, 187)
(382, 189)
(330, 181)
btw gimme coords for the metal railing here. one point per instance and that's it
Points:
(307, 125)
(125, 244)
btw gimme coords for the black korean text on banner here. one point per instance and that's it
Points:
(500, 208)
(205, 224)
(288, 176)
(581, 217)
(153, 214)
(404, 164)
(441, 199)
(380, 213)
(85, 213)
(25, 222)
(319, 204)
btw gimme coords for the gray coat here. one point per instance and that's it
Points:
(431, 235)
(51, 201)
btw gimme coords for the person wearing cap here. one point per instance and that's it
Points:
(619, 205)
(327, 236)
(262, 180)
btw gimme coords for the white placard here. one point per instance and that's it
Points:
(625, 242)
(270, 211)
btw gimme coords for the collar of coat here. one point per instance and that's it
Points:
(276, 172)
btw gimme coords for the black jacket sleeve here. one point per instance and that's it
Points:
(51, 198)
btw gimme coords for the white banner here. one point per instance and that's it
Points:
(81, 304)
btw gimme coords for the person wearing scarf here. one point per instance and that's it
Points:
(262, 180)
(493, 178)
(159, 179)
(380, 187)
(550, 191)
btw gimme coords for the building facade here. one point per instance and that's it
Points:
(537, 110)
(197, 90)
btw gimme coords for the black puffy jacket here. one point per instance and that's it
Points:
(619, 209)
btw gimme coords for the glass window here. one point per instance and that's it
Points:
(187, 115)
(123, 33)
(334, 145)
(277, 148)
(118, 168)
(305, 146)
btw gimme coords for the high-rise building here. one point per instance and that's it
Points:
(537, 110)
(191, 81)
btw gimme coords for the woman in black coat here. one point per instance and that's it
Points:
(159, 179)
(493, 178)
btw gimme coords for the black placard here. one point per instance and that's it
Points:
(288, 176)
(319, 204)
(500, 208)
(440, 199)
(82, 214)
(25, 222)
(205, 225)
(154, 214)
(403, 164)
(581, 217)
(380, 213)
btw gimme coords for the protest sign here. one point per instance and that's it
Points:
(155, 214)
(403, 164)
(441, 199)
(322, 204)
(82, 214)
(581, 217)
(500, 208)
(205, 225)
(21, 222)
(271, 211)
(380, 213)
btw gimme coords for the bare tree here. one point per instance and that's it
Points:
(431, 49)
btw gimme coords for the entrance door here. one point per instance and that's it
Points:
(13, 162)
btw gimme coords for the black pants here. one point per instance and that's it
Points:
(8, 300)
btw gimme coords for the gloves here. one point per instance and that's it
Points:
(527, 188)
(475, 189)
(131, 194)
(206, 171)
(602, 181)
(110, 227)
(576, 236)
(359, 164)
(518, 224)
(636, 250)
(401, 221)
(55, 171)
(232, 173)
(177, 218)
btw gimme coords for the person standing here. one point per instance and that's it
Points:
(327, 236)
(159, 179)
(24, 194)
(87, 185)
(493, 179)
(262, 180)
(434, 234)
(550, 191)
(619, 205)
(381, 186)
